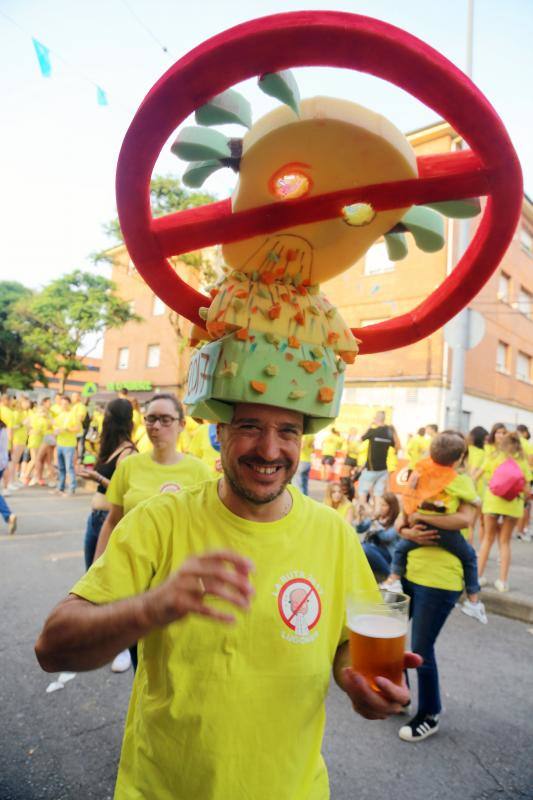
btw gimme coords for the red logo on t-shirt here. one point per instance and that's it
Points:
(299, 605)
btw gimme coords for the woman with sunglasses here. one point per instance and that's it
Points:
(144, 475)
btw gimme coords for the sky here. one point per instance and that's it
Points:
(59, 148)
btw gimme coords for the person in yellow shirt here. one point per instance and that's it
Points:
(304, 467)
(204, 445)
(331, 445)
(500, 514)
(38, 426)
(19, 438)
(45, 453)
(247, 549)
(522, 529)
(67, 427)
(337, 500)
(417, 447)
(475, 458)
(56, 407)
(145, 475)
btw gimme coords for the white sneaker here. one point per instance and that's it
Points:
(122, 662)
(482, 580)
(501, 586)
(524, 536)
(12, 524)
(395, 587)
(13, 487)
(475, 610)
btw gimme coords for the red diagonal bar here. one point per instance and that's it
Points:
(448, 177)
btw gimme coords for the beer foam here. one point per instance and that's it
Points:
(377, 627)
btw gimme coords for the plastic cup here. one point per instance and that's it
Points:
(378, 630)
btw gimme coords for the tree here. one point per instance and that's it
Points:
(56, 321)
(19, 363)
(167, 195)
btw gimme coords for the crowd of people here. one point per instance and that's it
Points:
(417, 521)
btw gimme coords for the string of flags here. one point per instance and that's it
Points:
(45, 65)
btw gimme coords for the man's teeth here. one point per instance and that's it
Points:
(264, 470)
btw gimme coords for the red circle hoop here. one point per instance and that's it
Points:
(299, 39)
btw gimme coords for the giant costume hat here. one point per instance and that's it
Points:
(319, 180)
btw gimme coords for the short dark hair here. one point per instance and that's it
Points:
(478, 436)
(432, 425)
(421, 431)
(173, 399)
(524, 430)
(447, 448)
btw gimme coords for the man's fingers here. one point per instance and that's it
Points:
(412, 660)
(217, 575)
(220, 589)
(398, 695)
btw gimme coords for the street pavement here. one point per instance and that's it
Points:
(65, 745)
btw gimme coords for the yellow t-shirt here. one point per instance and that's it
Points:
(460, 490)
(332, 444)
(433, 566)
(18, 428)
(232, 711)
(201, 447)
(40, 425)
(392, 460)
(492, 504)
(139, 477)
(70, 424)
(6, 415)
(56, 409)
(417, 449)
(476, 457)
(308, 446)
(80, 410)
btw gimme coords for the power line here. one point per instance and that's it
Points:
(145, 27)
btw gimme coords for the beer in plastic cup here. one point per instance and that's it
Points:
(378, 632)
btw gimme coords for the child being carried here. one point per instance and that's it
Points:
(436, 488)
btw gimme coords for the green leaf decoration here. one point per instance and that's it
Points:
(198, 171)
(282, 86)
(230, 106)
(426, 226)
(198, 144)
(458, 209)
(396, 245)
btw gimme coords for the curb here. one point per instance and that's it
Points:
(515, 605)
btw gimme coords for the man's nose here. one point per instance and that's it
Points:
(268, 445)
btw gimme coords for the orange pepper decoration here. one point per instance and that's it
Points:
(325, 394)
(258, 386)
(310, 366)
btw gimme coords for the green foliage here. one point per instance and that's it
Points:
(18, 364)
(167, 195)
(53, 323)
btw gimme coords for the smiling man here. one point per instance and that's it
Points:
(235, 590)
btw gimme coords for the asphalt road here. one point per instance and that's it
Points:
(65, 745)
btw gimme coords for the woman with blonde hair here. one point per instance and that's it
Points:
(503, 501)
(336, 499)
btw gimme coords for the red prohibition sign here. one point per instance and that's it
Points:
(323, 38)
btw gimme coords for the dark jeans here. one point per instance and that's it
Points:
(95, 520)
(379, 558)
(452, 541)
(429, 610)
(303, 476)
(5, 511)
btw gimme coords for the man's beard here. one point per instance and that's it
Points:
(246, 494)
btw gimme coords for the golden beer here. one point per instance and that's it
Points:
(377, 646)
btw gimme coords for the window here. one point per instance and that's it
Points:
(152, 359)
(123, 358)
(504, 287)
(525, 302)
(526, 240)
(377, 260)
(523, 367)
(502, 357)
(158, 307)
